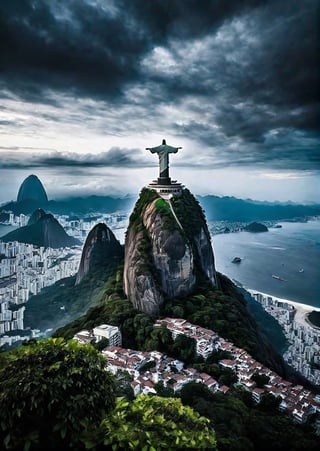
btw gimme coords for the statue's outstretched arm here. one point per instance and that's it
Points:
(173, 149)
(153, 149)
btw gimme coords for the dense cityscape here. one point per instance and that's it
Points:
(303, 352)
(25, 269)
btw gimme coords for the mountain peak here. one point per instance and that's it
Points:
(46, 231)
(32, 188)
(101, 245)
(36, 215)
(167, 249)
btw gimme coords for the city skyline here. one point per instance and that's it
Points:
(87, 86)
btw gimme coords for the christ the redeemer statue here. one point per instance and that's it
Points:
(163, 151)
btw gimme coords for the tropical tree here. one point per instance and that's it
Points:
(184, 348)
(260, 379)
(152, 423)
(51, 392)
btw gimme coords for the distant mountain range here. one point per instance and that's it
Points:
(216, 208)
(72, 206)
(233, 209)
(32, 196)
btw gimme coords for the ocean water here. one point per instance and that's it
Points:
(291, 253)
(4, 229)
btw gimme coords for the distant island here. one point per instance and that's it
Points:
(256, 227)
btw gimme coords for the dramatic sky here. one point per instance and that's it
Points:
(87, 85)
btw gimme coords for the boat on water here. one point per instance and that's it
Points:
(301, 270)
(278, 278)
(236, 260)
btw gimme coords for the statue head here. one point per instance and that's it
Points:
(164, 142)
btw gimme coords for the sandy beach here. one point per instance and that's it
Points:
(302, 310)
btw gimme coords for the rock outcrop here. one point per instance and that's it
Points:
(32, 189)
(47, 232)
(101, 245)
(167, 249)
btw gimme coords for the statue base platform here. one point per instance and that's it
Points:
(166, 190)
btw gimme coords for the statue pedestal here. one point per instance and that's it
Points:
(164, 189)
(164, 181)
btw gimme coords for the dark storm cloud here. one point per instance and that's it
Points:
(280, 149)
(187, 19)
(245, 72)
(67, 45)
(259, 83)
(94, 47)
(115, 157)
(264, 72)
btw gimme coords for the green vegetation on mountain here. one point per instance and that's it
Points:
(189, 212)
(100, 248)
(62, 302)
(114, 309)
(222, 311)
(145, 198)
(186, 207)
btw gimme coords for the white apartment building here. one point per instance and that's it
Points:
(112, 333)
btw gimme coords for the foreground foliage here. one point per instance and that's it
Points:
(58, 395)
(151, 423)
(51, 392)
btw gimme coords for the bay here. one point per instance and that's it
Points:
(4, 229)
(291, 253)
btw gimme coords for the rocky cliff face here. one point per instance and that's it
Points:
(101, 245)
(167, 249)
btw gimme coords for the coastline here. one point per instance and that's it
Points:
(283, 252)
(302, 310)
